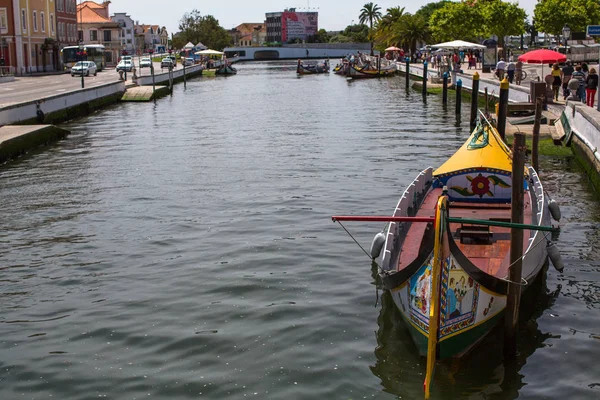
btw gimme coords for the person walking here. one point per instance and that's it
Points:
(556, 82)
(591, 87)
(518, 71)
(500, 67)
(510, 71)
(580, 76)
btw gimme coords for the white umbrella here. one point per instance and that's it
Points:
(458, 44)
(209, 52)
(189, 45)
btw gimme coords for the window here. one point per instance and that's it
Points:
(24, 20)
(34, 20)
(93, 35)
(52, 23)
(129, 31)
(107, 36)
(43, 21)
(80, 35)
(3, 23)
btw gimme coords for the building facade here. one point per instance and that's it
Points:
(66, 24)
(289, 25)
(127, 35)
(8, 43)
(96, 27)
(249, 34)
(37, 28)
(153, 37)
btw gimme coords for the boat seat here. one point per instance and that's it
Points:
(475, 233)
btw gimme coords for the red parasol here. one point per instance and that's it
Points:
(542, 56)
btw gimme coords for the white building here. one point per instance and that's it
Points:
(127, 35)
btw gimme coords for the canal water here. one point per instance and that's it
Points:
(184, 249)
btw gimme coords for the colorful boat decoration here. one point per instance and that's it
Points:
(445, 256)
(371, 69)
(320, 68)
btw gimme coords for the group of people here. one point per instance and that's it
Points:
(513, 70)
(587, 77)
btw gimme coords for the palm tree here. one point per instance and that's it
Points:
(370, 12)
(413, 29)
(384, 32)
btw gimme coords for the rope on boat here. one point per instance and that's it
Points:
(524, 283)
(362, 248)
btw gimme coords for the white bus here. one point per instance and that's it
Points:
(91, 52)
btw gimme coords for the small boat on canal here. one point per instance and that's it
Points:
(308, 69)
(372, 68)
(226, 69)
(447, 245)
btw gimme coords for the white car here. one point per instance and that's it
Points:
(145, 62)
(124, 65)
(189, 61)
(84, 68)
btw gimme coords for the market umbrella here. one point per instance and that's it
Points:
(392, 48)
(542, 56)
(209, 52)
(458, 44)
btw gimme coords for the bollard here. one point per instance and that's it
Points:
(513, 298)
(424, 80)
(445, 89)
(503, 108)
(458, 99)
(536, 134)
(474, 100)
(407, 72)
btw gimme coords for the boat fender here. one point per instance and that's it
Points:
(377, 245)
(554, 209)
(555, 257)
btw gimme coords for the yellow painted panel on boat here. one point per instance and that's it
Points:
(495, 155)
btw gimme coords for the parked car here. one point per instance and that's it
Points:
(167, 62)
(174, 60)
(127, 58)
(124, 65)
(145, 62)
(84, 68)
(188, 61)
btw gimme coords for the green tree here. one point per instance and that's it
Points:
(385, 27)
(456, 21)
(427, 10)
(352, 34)
(552, 15)
(502, 19)
(320, 37)
(206, 29)
(412, 30)
(370, 12)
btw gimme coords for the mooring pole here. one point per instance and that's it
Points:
(458, 99)
(503, 108)
(184, 82)
(445, 89)
(536, 134)
(424, 80)
(474, 100)
(153, 83)
(487, 109)
(511, 316)
(407, 60)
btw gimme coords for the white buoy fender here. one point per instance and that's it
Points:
(377, 244)
(555, 257)
(554, 209)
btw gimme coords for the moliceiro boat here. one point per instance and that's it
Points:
(307, 69)
(371, 68)
(446, 250)
(226, 69)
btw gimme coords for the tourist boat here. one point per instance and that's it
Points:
(370, 71)
(226, 69)
(307, 69)
(447, 244)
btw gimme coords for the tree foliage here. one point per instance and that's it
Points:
(552, 15)
(427, 10)
(195, 28)
(412, 30)
(502, 19)
(388, 25)
(456, 21)
(370, 12)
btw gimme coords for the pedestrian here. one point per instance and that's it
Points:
(518, 71)
(584, 69)
(591, 87)
(500, 67)
(580, 76)
(566, 74)
(556, 80)
(510, 71)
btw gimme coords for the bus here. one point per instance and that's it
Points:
(92, 52)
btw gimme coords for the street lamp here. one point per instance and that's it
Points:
(81, 53)
(566, 33)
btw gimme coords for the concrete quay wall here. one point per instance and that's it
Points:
(64, 106)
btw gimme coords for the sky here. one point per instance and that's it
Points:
(231, 13)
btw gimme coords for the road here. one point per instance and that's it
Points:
(28, 88)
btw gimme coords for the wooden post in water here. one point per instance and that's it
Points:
(511, 315)
(536, 133)
(487, 108)
(407, 72)
(153, 83)
(445, 89)
(184, 82)
(424, 80)
(458, 99)
(474, 100)
(503, 108)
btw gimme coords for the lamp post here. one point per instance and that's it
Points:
(81, 53)
(566, 33)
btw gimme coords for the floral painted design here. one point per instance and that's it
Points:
(480, 186)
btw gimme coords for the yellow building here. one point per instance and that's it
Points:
(38, 35)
